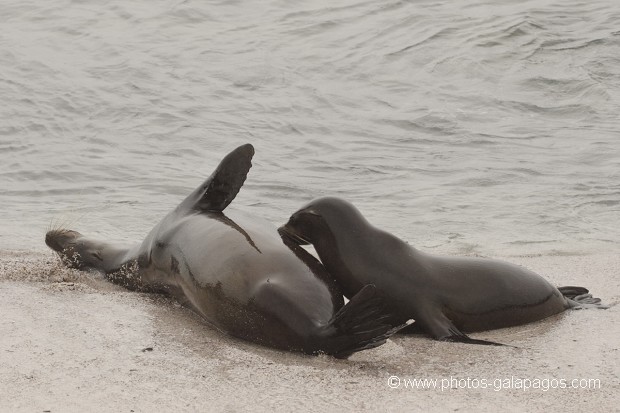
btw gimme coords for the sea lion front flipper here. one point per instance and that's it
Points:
(463, 338)
(218, 191)
(442, 329)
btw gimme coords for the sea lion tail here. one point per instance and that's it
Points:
(580, 298)
(361, 324)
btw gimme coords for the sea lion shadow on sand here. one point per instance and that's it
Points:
(236, 272)
(446, 296)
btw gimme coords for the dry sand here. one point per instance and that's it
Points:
(71, 342)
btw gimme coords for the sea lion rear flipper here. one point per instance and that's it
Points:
(218, 191)
(580, 298)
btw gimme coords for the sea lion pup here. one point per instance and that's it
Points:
(235, 271)
(446, 296)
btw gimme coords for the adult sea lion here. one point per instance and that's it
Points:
(446, 296)
(235, 271)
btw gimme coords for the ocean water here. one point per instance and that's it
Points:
(464, 127)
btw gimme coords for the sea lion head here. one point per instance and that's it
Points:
(318, 220)
(73, 249)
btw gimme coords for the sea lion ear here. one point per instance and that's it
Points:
(218, 191)
(312, 212)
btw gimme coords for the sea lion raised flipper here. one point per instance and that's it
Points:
(218, 191)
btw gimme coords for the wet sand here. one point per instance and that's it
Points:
(71, 342)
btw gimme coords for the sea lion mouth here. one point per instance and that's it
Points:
(287, 234)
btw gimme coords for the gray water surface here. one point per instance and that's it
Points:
(460, 126)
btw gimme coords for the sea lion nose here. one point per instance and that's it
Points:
(51, 239)
(58, 239)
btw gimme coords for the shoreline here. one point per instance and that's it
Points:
(74, 342)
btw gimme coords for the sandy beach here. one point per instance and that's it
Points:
(72, 342)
